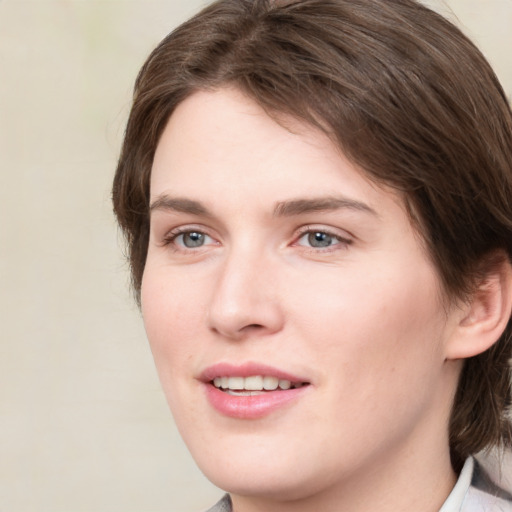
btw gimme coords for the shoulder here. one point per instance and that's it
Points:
(224, 505)
(484, 495)
(481, 501)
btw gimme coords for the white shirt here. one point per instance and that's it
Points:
(474, 492)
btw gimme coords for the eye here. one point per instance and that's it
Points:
(191, 239)
(318, 239)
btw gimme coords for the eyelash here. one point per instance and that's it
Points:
(341, 242)
(170, 239)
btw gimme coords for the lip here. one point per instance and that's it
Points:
(249, 407)
(246, 370)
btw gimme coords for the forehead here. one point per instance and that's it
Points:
(224, 137)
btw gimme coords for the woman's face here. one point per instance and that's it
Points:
(274, 263)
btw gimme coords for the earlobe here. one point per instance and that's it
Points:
(486, 315)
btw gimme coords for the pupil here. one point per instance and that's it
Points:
(319, 239)
(193, 239)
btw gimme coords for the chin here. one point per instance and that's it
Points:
(278, 467)
(266, 482)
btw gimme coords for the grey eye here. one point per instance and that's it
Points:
(320, 239)
(192, 239)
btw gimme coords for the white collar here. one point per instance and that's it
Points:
(456, 498)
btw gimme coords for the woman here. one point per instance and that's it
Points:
(317, 199)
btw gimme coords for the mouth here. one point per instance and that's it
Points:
(251, 390)
(254, 385)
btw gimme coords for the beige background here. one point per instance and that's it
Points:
(83, 423)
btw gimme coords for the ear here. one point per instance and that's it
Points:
(485, 316)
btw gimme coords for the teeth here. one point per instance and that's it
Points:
(242, 393)
(236, 383)
(285, 384)
(253, 383)
(270, 383)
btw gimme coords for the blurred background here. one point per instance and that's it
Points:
(83, 423)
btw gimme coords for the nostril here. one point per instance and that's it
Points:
(252, 327)
(242, 332)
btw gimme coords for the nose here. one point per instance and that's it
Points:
(245, 299)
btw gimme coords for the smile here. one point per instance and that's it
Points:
(251, 391)
(253, 385)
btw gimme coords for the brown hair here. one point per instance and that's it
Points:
(404, 94)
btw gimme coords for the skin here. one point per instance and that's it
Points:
(362, 319)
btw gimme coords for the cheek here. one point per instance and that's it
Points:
(381, 322)
(172, 309)
(378, 343)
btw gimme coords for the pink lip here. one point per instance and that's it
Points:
(249, 407)
(246, 370)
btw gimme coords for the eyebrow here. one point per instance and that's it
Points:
(321, 204)
(179, 204)
(282, 209)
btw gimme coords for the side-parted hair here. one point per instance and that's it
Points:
(404, 94)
